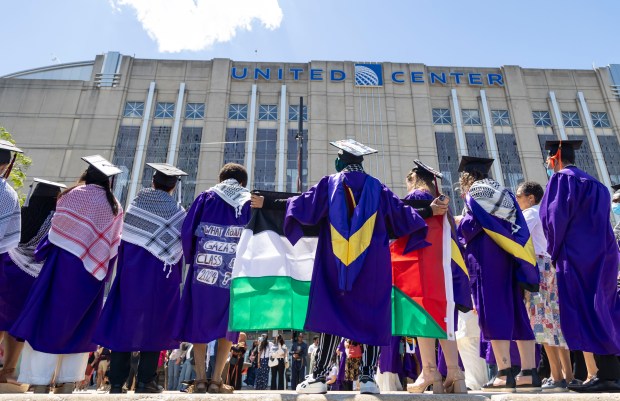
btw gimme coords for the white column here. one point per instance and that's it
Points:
(283, 135)
(174, 136)
(251, 137)
(137, 161)
(461, 144)
(497, 166)
(596, 147)
(558, 115)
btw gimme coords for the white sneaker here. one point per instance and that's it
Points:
(368, 385)
(312, 386)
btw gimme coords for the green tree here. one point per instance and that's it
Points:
(22, 162)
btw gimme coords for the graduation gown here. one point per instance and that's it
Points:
(575, 216)
(141, 307)
(63, 306)
(14, 287)
(203, 314)
(362, 313)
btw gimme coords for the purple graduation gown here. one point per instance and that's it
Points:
(460, 282)
(63, 306)
(14, 287)
(575, 216)
(364, 313)
(141, 307)
(497, 296)
(390, 359)
(203, 315)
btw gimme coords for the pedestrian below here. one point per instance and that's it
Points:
(250, 377)
(262, 372)
(187, 366)
(299, 354)
(174, 368)
(312, 352)
(236, 361)
(277, 363)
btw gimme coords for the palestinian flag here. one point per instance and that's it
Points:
(271, 278)
(422, 292)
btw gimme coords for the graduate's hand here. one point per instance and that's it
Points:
(457, 219)
(257, 201)
(440, 207)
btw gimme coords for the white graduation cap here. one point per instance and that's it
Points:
(102, 165)
(45, 188)
(6, 148)
(353, 147)
(6, 145)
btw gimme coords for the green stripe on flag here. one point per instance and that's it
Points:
(268, 303)
(411, 320)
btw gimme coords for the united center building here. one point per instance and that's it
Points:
(201, 114)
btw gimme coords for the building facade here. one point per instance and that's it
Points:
(201, 114)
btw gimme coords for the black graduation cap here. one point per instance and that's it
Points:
(102, 165)
(422, 169)
(616, 187)
(553, 146)
(168, 175)
(44, 189)
(352, 151)
(480, 164)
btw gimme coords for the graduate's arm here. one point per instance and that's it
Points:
(306, 209)
(404, 220)
(556, 211)
(189, 227)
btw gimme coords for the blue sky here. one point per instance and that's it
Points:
(541, 33)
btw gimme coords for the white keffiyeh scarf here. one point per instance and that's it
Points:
(232, 193)
(153, 221)
(10, 217)
(85, 226)
(23, 255)
(495, 200)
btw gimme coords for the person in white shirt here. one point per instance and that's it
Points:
(312, 350)
(543, 306)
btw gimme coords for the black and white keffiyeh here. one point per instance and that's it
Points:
(153, 221)
(495, 200)
(10, 217)
(354, 167)
(232, 193)
(23, 255)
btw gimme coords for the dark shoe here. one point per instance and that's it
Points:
(551, 386)
(117, 389)
(597, 385)
(509, 387)
(150, 387)
(536, 382)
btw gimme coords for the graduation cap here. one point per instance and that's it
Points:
(615, 187)
(480, 164)
(352, 151)
(102, 166)
(425, 170)
(6, 148)
(553, 146)
(168, 175)
(44, 189)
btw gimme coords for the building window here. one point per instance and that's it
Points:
(195, 111)
(190, 151)
(265, 165)
(234, 149)
(291, 161)
(134, 109)
(500, 118)
(268, 112)
(571, 119)
(541, 118)
(471, 117)
(583, 156)
(509, 160)
(238, 112)
(542, 139)
(611, 154)
(442, 116)
(156, 151)
(600, 120)
(164, 110)
(124, 154)
(293, 113)
(448, 165)
(477, 145)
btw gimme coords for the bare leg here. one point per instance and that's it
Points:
(12, 350)
(590, 364)
(501, 349)
(455, 378)
(223, 348)
(200, 355)
(527, 352)
(554, 362)
(429, 368)
(567, 365)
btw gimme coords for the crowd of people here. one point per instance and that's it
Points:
(532, 293)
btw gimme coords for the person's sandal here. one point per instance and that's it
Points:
(536, 384)
(508, 387)
(429, 377)
(200, 386)
(455, 381)
(218, 387)
(64, 388)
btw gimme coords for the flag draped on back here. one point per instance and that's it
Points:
(271, 278)
(422, 293)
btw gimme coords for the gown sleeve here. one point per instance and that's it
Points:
(556, 211)
(305, 210)
(194, 214)
(404, 220)
(468, 228)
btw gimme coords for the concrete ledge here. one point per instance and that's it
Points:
(291, 396)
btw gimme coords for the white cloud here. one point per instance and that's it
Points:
(178, 25)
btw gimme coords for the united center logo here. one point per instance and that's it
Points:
(368, 75)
